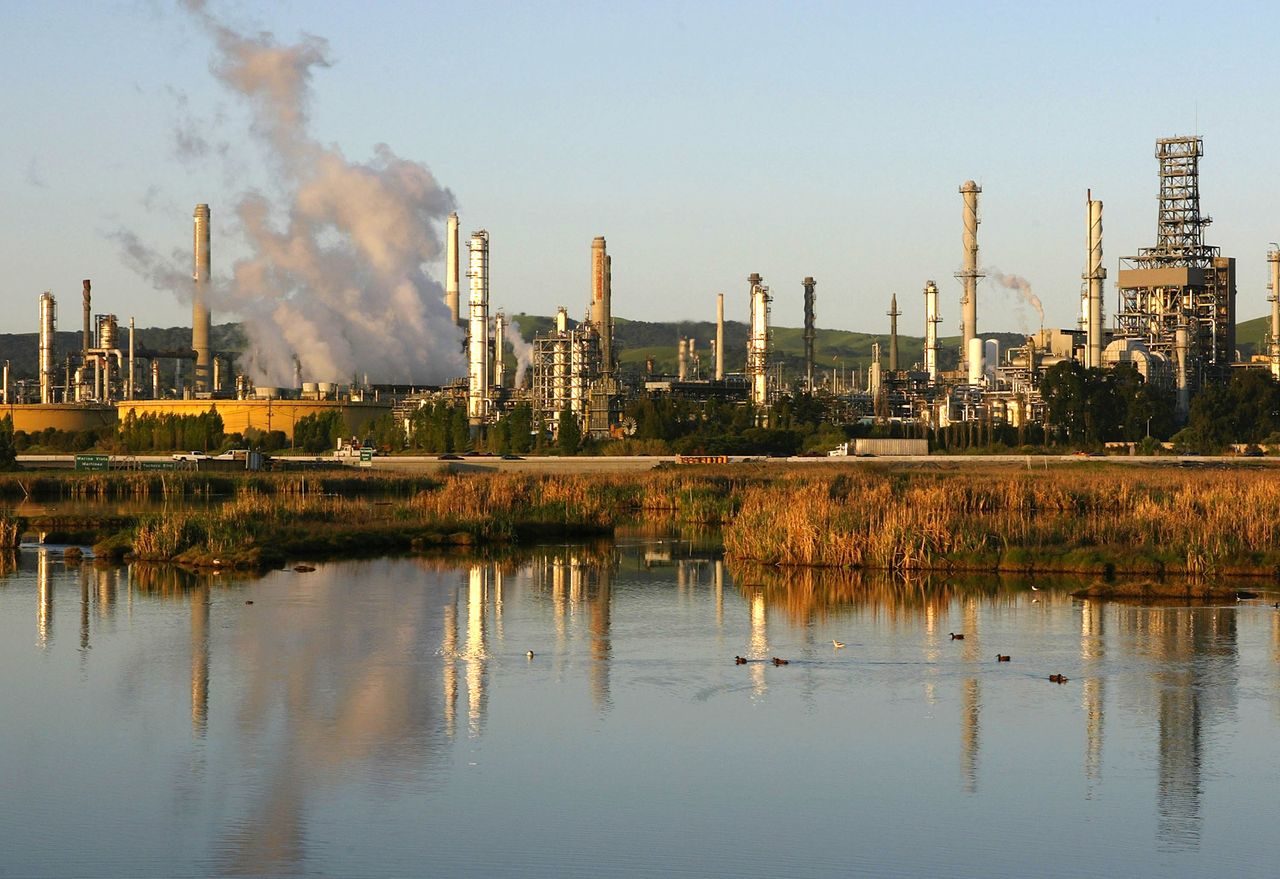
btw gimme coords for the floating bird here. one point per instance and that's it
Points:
(837, 644)
(1000, 657)
(1276, 605)
(248, 602)
(739, 660)
(303, 569)
(1058, 679)
(529, 654)
(955, 637)
(1035, 588)
(777, 661)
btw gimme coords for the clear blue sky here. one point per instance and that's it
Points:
(705, 140)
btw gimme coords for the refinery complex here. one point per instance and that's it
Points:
(1174, 322)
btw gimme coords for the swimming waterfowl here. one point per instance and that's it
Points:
(837, 644)
(739, 660)
(777, 661)
(529, 654)
(1000, 657)
(1058, 679)
(955, 637)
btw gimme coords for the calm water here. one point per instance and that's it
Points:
(382, 718)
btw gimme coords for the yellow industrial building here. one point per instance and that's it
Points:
(267, 415)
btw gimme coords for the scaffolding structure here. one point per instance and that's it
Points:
(566, 367)
(1178, 297)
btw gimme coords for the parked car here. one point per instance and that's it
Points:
(449, 457)
(190, 456)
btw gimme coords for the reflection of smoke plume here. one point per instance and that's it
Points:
(335, 277)
(1023, 286)
(522, 349)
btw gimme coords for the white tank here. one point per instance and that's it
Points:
(974, 360)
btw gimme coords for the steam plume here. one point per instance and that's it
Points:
(1023, 286)
(334, 273)
(522, 349)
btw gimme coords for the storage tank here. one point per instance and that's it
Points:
(974, 360)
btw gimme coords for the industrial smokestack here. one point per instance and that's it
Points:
(1273, 262)
(606, 336)
(809, 332)
(719, 337)
(1094, 276)
(451, 267)
(893, 332)
(478, 338)
(969, 277)
(88, 322)
(931, 320)
(600, 315)
(48, 327)
(200, 316)
(682, 360)
(133, 372)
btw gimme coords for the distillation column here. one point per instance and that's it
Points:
(1273, 262)
(478, 335)
(931, 330)
(810, 333)
(893, 332)
(969, 277)
(758, 344)
(451, 267)
(499, 332)
(719, 337)
(1094, 276)
(200, 316)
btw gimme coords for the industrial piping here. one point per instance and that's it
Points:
(969, 277)
(478, 338)
(451, 267)
(1095, 275)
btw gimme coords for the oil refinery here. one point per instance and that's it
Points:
(1174, 321)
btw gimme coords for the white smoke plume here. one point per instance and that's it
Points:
(522, 350)
(1022, 286)
(335, 272)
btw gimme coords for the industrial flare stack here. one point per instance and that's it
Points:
(1094, 276)
(451, 268)
(810, 332)
(970, 275)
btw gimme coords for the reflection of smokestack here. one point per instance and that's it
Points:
(1273, 262)
(48, 325)
(969, 277)
(931, 330)
(88, 308)
(719, 337)
(1094, 275)
(478, 341)
(893, 332)
(451, 267)
(809, 333)
(200, 317)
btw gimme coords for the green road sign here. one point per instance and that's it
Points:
(93, 462)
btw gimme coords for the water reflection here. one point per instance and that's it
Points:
(349, 684)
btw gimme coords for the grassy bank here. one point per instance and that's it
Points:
(1084, 520)
(1098, 521)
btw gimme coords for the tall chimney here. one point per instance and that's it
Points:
(1095, 275)
(1273, 262)
(451, 267)
(969, 277)
(478, 329)
(606, 317)
(88, 323)
(682, 360)
(600, 311)
(48, 330)
(893, 332)
(719, 337)
(499, 333)
(809, 333)
(200, 316)
(133, 372)
(931, 320)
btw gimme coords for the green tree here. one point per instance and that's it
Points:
(569, 434)
(8, 448)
